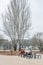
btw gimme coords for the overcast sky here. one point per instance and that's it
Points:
(36, 14)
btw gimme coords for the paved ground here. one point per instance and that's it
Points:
(16, 60)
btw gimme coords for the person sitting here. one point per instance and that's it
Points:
(22, 52)
(30, 54)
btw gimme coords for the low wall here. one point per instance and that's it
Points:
(34, 51)
(8, 52)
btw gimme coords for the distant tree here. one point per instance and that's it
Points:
(1, 36)
(34, 40)
(40, 38)
(37, 40)
(16, 21)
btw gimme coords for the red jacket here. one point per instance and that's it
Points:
(22, 51)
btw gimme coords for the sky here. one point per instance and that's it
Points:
(37, 15)
(36, 7)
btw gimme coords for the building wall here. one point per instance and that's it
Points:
(5, 44)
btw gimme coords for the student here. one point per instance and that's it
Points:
(22, 52)
(30, 53)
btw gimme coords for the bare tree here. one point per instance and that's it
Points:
(40, 36)
(16, 21)
(34, 40)
(1, 36)
(37, 40)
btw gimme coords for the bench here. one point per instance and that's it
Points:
(37, 56)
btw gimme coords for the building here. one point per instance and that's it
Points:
(5, 44)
